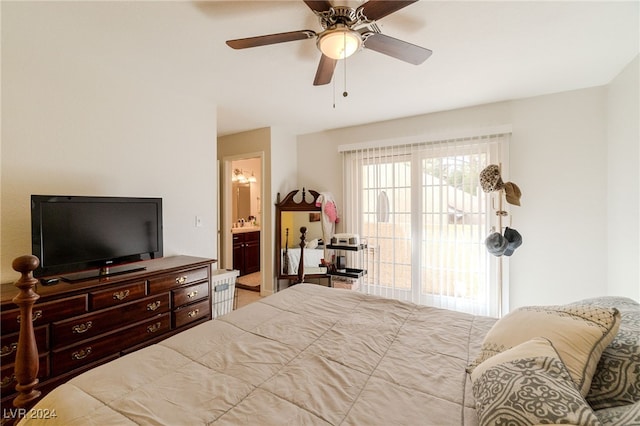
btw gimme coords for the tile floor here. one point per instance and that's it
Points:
(246, 296)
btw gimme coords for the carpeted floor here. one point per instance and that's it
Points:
(250, 281)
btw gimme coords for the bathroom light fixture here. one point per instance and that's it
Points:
(339, 42)
(238, 176)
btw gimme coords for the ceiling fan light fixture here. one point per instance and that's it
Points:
(340, 42)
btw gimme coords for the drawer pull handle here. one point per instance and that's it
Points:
(81, 354)
(8, 350)
(154, 327)
(7, 380)
(121, 295)
(181, 280)
(81, 328)
(192, 294)
(194, 313)
(153, 306)
(34, 316)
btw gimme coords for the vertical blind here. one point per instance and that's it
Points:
(424, 217)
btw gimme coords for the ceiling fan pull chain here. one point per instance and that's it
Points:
(345, 93)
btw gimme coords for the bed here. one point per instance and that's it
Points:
(325, 356)
(312, 260)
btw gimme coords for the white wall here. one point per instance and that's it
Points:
(89, 112)
(285, 166)
(623, 184)
(558, 158)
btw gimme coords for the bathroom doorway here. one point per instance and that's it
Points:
(244, 181)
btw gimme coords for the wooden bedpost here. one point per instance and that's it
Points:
(26, 368)
(303, 237)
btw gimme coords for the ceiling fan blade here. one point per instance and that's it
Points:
(243, 43)
(319, 5)
(397, 48)
(324, 74)
(376, 9)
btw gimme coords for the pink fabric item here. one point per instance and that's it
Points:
(331, 211)
(329, 217)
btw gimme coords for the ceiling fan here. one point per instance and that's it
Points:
(346, 30)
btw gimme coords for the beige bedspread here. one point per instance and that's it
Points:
(306, 355)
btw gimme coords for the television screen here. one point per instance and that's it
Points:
(74, 233)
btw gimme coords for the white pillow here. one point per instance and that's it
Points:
(578, 332)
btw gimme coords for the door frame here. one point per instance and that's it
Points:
(225, 214)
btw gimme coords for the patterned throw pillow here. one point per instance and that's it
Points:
(616, 380)
(528, 385)
(626, 415)
(579, 333)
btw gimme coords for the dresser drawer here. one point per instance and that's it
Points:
(10, 344)
(9, 379)
(89, 351)
(191, 313)
(184, 295)
(68, 332)
(178, 279)
(117, 295)
(45, 312)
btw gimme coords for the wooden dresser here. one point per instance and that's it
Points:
(84, 324)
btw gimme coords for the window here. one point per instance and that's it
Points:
(425, 218)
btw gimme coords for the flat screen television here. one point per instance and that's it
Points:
(81, 237)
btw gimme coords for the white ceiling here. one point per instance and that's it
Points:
(482, 52)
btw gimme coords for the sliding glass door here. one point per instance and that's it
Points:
(424, 216)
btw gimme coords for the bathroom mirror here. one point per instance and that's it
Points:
(241, 194)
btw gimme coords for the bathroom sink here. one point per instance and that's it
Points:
(244, 229)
